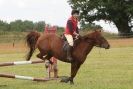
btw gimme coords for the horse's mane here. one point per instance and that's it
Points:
(89, 36)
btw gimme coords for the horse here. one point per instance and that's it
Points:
(51, 45)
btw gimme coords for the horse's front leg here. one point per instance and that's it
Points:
(74, 69)
(39, 56)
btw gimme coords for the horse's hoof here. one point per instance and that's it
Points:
(65, 80)
(72, 83)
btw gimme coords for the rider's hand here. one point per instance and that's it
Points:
(78, 36)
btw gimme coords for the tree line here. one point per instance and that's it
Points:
(22, 26)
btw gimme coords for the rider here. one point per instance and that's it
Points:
(71, 31)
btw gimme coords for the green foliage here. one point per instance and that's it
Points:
(28, 25)
(88, 26)
(60, 30)
(39, 26)
(22, 26)
(120, 12)
(4, 26)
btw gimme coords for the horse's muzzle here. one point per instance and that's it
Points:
(107, 46)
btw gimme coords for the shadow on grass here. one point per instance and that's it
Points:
(3, 86)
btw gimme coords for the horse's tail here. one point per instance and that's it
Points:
(31, 40)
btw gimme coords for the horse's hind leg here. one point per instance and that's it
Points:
(44, 58)
(46, 62)
(40, 56)
(48, 57)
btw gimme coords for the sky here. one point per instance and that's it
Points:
(54, 12)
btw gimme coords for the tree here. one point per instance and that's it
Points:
(4, 26)
(16, 25)
(39, 26)
(27, 25)
(88, 26)
(120, 12)
(22, 26)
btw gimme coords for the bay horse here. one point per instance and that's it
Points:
(51, 45)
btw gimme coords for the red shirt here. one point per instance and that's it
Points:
(71, 26)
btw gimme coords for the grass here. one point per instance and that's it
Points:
(103, 69)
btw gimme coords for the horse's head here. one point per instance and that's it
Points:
(98, 39)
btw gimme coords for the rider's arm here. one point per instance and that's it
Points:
(70, 26)
(77, 30)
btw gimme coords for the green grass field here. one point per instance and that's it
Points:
(103, 69)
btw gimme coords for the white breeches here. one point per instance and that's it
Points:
(69, 39)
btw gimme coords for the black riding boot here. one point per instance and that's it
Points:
(69, 53)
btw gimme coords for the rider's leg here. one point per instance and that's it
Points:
(70, 47)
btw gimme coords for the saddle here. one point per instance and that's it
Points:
(66, 44)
